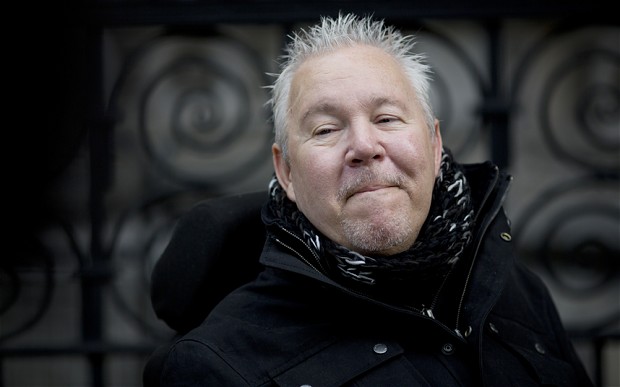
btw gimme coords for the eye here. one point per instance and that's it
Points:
(385, 119)
(324, 131)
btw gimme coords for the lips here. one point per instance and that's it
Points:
(368, 188)
(371, 188)
(369, 181)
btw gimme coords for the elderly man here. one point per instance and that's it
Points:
(386, 263)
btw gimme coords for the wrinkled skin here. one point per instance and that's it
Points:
(361, 160)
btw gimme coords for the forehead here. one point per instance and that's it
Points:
(357, 74)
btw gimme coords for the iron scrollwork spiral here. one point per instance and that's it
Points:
(594, 117)
(201, 108)
(454, 71)
(568, 88)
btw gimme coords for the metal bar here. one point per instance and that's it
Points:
(496, 108)
(78, 349)
(95, 271)
(280, 11)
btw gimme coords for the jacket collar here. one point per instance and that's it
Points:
(492, 257)
(489, 187)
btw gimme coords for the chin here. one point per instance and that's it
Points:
(389, 236)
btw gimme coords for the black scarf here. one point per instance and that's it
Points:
(443, 238)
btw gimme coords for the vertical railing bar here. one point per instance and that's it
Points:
(497, 109)
(94, 275)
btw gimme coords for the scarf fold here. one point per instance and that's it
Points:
(442, 240)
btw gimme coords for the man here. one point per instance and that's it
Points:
(386, 263)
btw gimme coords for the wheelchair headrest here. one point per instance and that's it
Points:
(214, 248)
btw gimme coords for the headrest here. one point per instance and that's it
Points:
(214, 248)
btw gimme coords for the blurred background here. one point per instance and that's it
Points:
(127, 112)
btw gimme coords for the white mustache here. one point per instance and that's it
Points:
(366, 178)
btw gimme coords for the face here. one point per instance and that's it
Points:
(361, 161)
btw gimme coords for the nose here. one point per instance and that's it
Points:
(364, 144)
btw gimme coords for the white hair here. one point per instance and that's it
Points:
(346, 31)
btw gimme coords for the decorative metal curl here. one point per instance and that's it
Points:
(136, 256)
(594, 255)
(201, 117)
(461, 139)
(14, 274)
(597, 112)
(596, 109)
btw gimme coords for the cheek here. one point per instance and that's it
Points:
(313, 182)
(411, 151)
(415, 156)
(310, 182)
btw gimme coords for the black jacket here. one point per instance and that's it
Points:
(293, 326)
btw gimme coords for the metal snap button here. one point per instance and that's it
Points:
(493, 328)
(506, 236)
(447, 349)
(540, 349)
(380, 348)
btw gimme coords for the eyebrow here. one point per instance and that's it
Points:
(377, 101)
(323, 107)
(373, 102)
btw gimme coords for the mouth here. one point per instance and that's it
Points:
(368, 182)
(371, 188)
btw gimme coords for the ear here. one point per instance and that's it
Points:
(283, 171)
(437, 147)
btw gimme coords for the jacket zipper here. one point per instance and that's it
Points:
(425, 313)
(429, 311)
(320, 267)
(483, 231)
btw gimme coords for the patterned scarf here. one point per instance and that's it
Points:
(441, 242)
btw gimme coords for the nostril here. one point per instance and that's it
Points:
(363, 160)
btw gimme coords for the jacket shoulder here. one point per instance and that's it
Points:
(253, 334)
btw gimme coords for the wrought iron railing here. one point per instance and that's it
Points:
(166, 108)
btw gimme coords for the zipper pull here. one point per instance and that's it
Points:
(428, 312)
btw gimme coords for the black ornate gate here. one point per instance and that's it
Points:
(142, 108)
